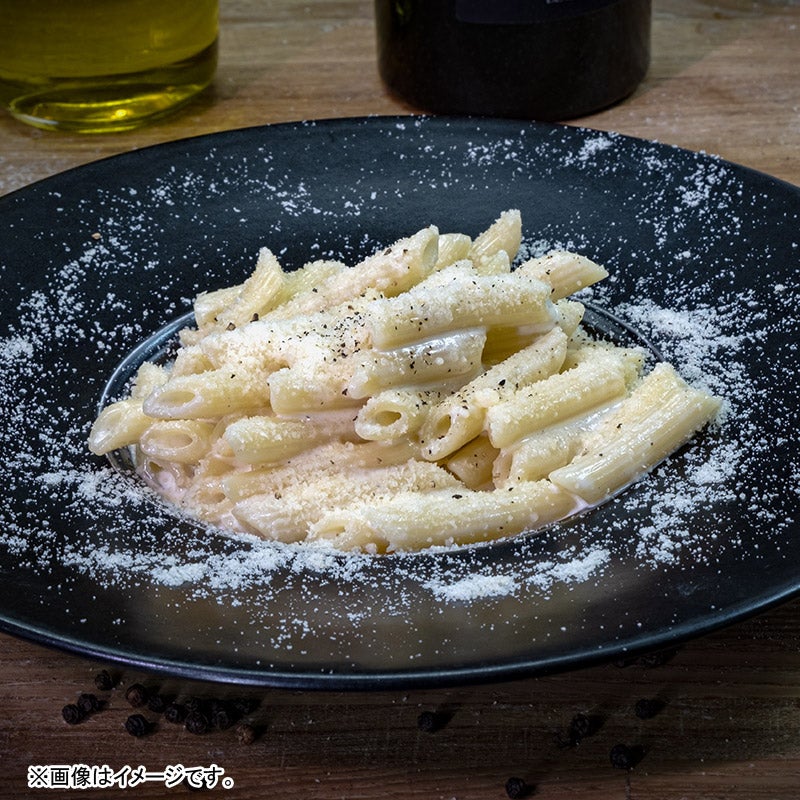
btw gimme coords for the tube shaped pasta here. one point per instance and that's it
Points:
(311, 275)
(208, 305)
(393, 270)
(456, 298)
(439, 359)
(289, 515)
(444, 517)
(452, 247)
(503, 235)
(328, 458)
(564, 272)
(148, 377)
(309, 388)
(587, 385)
(394, 413)
(208, 394)
(269, 344)
(451, 423)
(259, 293)
(643, 434)
(262, 439)
(473, 463)
(537, 455)
(118, 425)
(190, 360)
(181, 440)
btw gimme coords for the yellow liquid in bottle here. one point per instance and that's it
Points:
(103, 65)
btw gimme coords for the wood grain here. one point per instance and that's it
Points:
(723, 80)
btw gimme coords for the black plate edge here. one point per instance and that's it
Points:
(402, 679)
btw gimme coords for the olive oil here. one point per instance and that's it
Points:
(103, 65)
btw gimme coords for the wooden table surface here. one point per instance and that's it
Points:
(725, 79)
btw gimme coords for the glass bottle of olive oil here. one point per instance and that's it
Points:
(102, 65)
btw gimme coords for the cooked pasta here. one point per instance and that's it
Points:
(433, 394)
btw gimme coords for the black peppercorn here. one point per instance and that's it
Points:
(647, 708)
(580, 726)
(156, 703)
(88, 703)
(104, 681)
(624, 757)
(245, 733)
(221, 714)
(516, 788)
(196, 723)
(620, 756)
(137, 725)
(244, 705)
(194, 704)
(136, 695)
(429, 721)
(72, 714)
(175, 713)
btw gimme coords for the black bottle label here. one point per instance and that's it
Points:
(523, 12)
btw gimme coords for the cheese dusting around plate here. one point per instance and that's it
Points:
(712, 328)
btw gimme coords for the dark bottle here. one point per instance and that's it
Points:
(533, 59)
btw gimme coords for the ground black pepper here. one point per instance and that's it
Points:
(137, 725)
(136, 695)
(72, 714)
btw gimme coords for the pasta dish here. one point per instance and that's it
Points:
(434, 394)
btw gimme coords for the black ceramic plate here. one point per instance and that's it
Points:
(704, 260)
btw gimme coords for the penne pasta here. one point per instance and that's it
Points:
(504, 235)
(566, 394)
(458, 298)
(564, 272)
(209, 394)
(429, 395)
(263, 439)
(444, 517)
(457, 419)
(658, 417)
(473, 464)
(118, 425)
(183, 441)
(290, 515)
(438, 360)
(394, 413)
